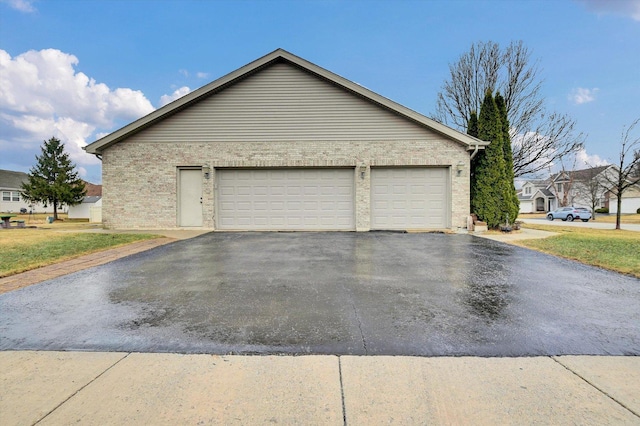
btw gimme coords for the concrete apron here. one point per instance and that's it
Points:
(138, 388)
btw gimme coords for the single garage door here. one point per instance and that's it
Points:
(285, 199)
(409, 198)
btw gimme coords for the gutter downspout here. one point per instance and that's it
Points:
(470, 223)
(475, 151)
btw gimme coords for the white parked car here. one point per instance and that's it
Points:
(570, 213)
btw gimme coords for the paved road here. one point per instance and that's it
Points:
(331, 293)
(579, 224)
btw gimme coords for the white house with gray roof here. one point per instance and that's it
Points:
(10, 188)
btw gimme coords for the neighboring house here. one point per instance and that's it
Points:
(570, 188)
(535, 197)
(10, 199)
(83, 210)
(578, 187)
(91, 203)
(283, 144)
(630, 200)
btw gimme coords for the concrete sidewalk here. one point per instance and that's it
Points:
(510, 237)
(135, 388)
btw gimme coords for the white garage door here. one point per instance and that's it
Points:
(409, 198)
(629, 205)
(285, 199)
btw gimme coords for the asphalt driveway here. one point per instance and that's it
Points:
(331, 293)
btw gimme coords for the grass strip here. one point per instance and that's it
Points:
(45, 248)
(616, 250)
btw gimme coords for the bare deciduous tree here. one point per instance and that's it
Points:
(539, 138)
(627, 171)
(591, 187)
(562, 183)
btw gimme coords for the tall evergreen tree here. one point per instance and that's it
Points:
(53, 180)
(472, 126)
(512, 204)
(489, 182)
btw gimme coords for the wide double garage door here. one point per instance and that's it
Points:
(324, 199)
(286, 199)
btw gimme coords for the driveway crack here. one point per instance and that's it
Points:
(597, 388)
(364, 340)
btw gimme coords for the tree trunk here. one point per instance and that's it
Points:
(55, 210)
(619, 209)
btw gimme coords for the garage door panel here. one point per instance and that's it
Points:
(409, 198)
(286, 199)
(294, 190)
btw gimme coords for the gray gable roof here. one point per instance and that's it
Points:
(582, 174)
(276, 56)
(12, 180)
(545, 192)
(91, 199)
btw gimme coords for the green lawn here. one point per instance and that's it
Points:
(25, 249)
(616, 250)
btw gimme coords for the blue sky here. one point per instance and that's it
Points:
(81, 69)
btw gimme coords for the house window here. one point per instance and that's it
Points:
(527, 190)
(559, 187)
(10, 196)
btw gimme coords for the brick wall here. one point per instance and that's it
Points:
(140, 178)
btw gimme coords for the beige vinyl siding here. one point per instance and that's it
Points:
(284, 103)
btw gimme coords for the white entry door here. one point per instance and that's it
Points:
(409, 198)
(285, 199)
(190, 197)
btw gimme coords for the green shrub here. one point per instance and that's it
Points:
(638, 211)
(602, 210)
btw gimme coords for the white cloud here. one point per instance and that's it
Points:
(582, 95)
(101, 135)
(202, 74)
(629, 8)
(584, 160)
(184, 72)
(20, 5)
(42, 95)
(166, 99)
